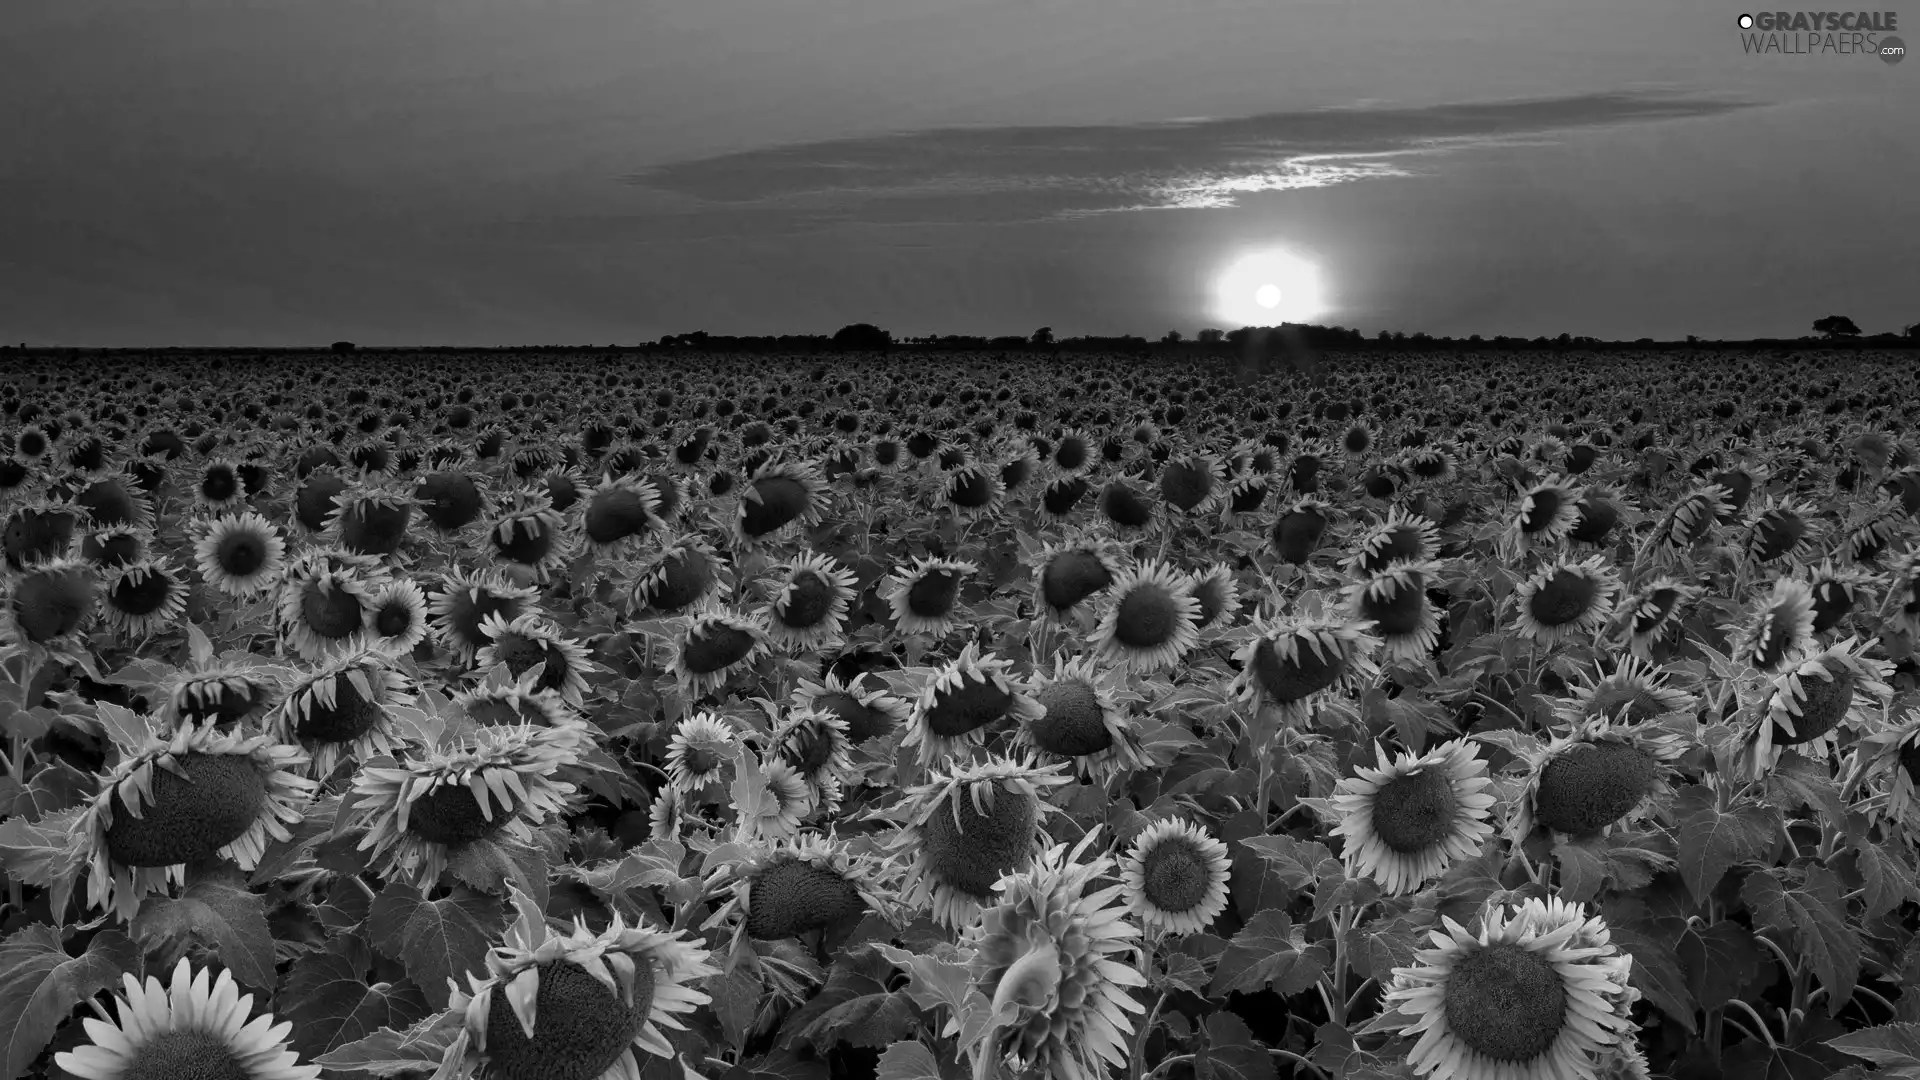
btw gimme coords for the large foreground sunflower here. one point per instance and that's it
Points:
(1049, 955)
(1408, 820)
(962, 701)
(194, 1028)
(574, 1006)
(1541, 993)
(1583, 783)
(966, 828)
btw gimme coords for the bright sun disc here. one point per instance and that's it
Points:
(1268, 287)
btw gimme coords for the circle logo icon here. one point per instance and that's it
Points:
(1746, 22)
(1892, 50)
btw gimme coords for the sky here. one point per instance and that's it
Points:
(480, 172)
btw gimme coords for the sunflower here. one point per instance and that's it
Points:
(667, 815)
(712, 649)
(240, 554)
(324, 601)
(870, 712)
(1602, 773)
(1062, 496)
(1690, 521)
(1634, 693)
(178, 799)
(1651, 614)
(1836, 591)
(1903, 593)
(397, 618)
(1541, 993)
(450, 500)
(238, 687)
(342, 711)
(1190, 483)
(574, 1006)
(810, 608)
(1052, 955)
(1566, 599)
(219, 489)
(1217, 594)
(1546, 514)
(1780, 628)
(1811, 698)
(1888, 760)
(770, 797)
(682, 577)
(39, 530)
(1071, 571)
(419, 813)
(798, 885)
(497, 702)
(314, 500)
(1865, 542)
(778, 497)
(194, 1027)
(618, 514)
(1073, 453)
(530, 640)
(1779, 529)
(1402, 537)
(49, 606)
(142, 599)
(925, 596)
(529, 534)
(973, 492)
(1124, 507)
(1176, 877)
(1150, 621)
(464, 603)
(815, 743)
(1293, 665)
(962, 701)
(1297, 533)
(967, 828)
(702, 745)
(1084, 722)
(1415, 815)
(370, 519)
(113, 547)
(1393, 605)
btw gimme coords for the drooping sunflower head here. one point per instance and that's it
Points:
(1546, 512)
(1885, 765)
(51, 604)
(528, 534)
(464, 603)
(924, 596)
(1402, 537)
(419, 811)
(700, 751)
(780, 496)
(1062, 496)
(1176, 877)
(192, 795)
(1191, 483)
(810, 603)
(1566, 599)
(325, 599)
(1074, 570)
(450, 499)
(240, 554)
(1780, 628)
(113, 499)
(1150, 621)
(1584, 783)
(1084, 721)
(1867, 541)
(1214, 589)
(142, 599)
(343, 711)
(967, 828)
(1393, 605)
(238, 689)
(370, 518)
(870, 712)
(1691, 520)
(575, 1006)
(1634, 692)
(1048, 955)
(973, 492)
(1408, 820)
(1294, 664)
(964, 699)
(1836, 592)
(1782, 528)
(1536, 993)
(801, 884)
(39, 530)
(529, 640)
(114, 546)
(194, 1027)
(1652, 614)
(1297, 532)
(1813, 698)
(1903, 593)
(713, 648)
(618, 514)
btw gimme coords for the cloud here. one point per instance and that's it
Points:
(1005, 174)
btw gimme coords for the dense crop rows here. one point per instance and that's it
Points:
(704, 716)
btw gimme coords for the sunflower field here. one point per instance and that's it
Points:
(1512, 716)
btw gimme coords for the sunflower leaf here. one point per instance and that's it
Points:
(1265, 951)
(390, 1052)
(43, 853)
(1712, 840)
(1812, 910)
(435, 939)
(215, 911)
(1231, 1052)
(40, 984)
(908, 1061)
(1890, 1046)
(332, 1002)
(1657, 975)
(871, 1021)
(1722, 962)
(492, 865)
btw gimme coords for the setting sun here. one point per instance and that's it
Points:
(1269, 287)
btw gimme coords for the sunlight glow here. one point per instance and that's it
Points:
(1268, 287)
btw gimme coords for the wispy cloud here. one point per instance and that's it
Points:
(979, 175)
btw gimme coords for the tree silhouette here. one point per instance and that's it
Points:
(1212, 336)
(1042, 336)
(862, 336)
(343, 346)
(1835, 326)
(1172, 338)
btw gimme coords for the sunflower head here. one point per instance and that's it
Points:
(1780, 627)
(969, 827)
(240, 554)
(925, 595)
(529, 641)
(681, 577)
(1291, 665)
(869, 712)
(1176, 877)
(466, 601)
(450, 500)
(1408, 820)
(1583, 783)
(1566, 599)
(324, 601)
(343, 710)
(370, 519)
(1298, 532)
(1402, 537)
(792, 886)
(143, 598)
(1217, 594)
(1068, 573)
(618, 513)
(114, 547)
(713, 648)
(779, 495)
(967, 696)
(700, 750)
(51, 603)
(1151, 620)
(195, 1026)
(811, 602)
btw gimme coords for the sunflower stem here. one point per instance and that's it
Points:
(1134, 1060)
(1168, 1062)
(1298, 1060)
